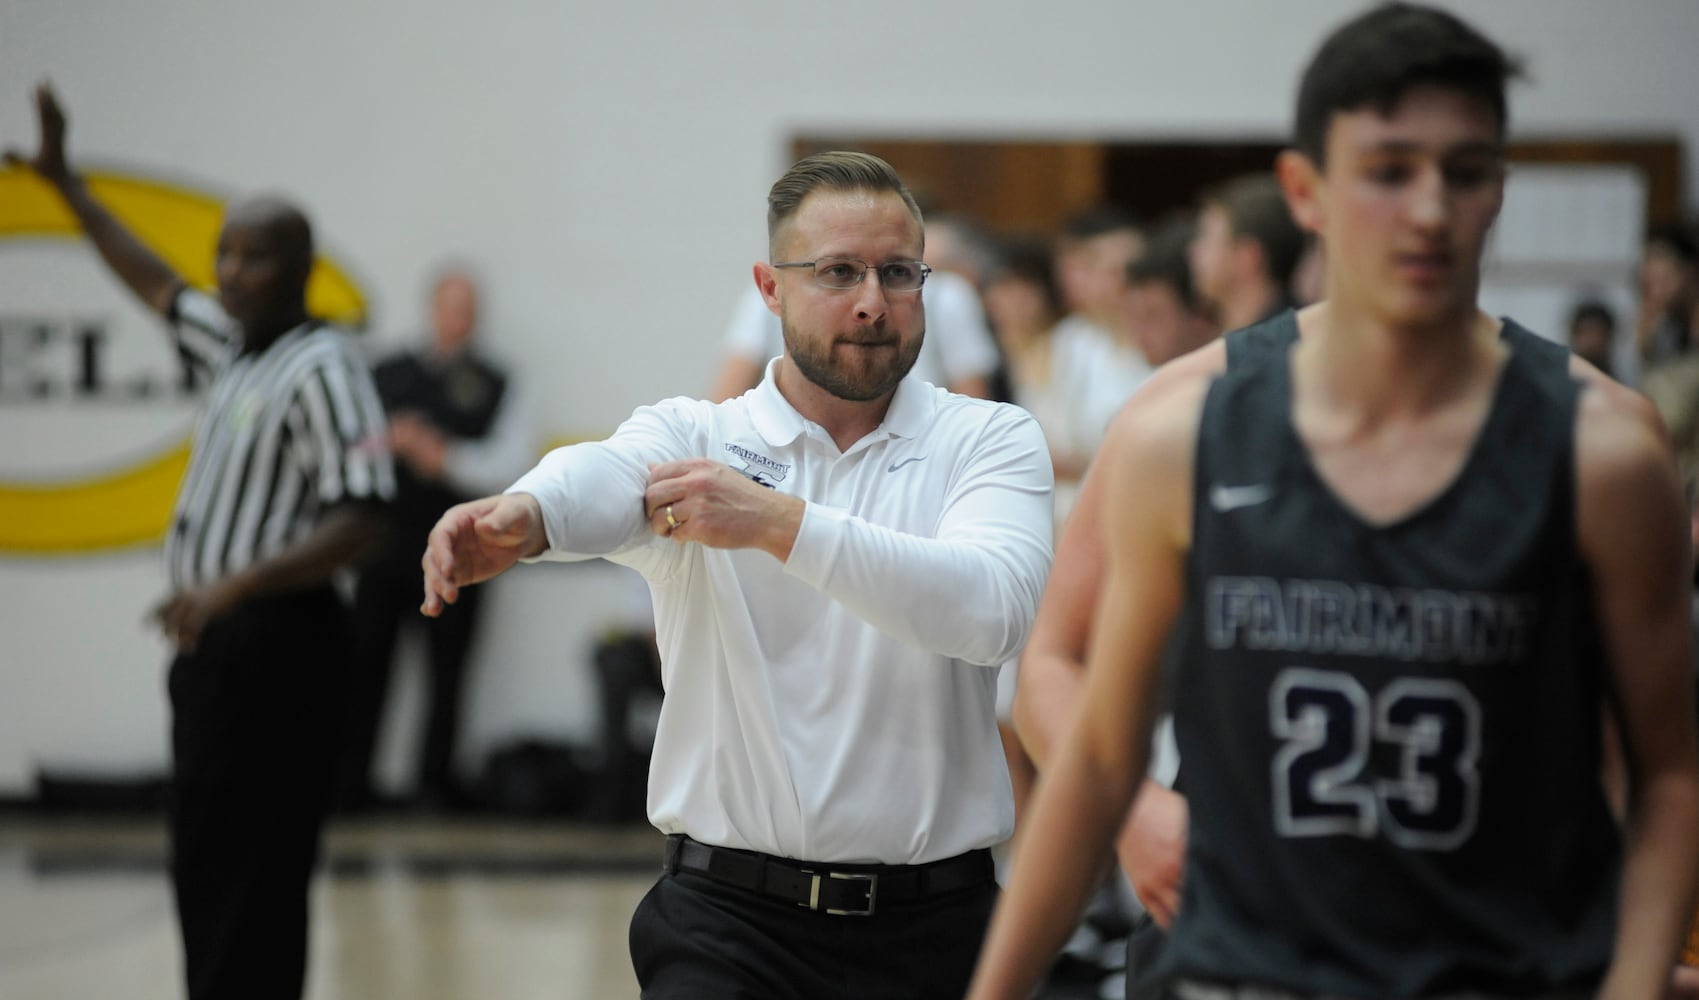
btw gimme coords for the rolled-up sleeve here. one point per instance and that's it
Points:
(591, 494)
(969, 592)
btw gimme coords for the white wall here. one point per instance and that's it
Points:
(606, 165)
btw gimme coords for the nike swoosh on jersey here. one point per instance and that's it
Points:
(897, 465)
(1226, 498)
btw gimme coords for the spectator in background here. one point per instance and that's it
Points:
(1673, 387)
(955, 242)
(1164, 312)
(1045, 372)
(1669, 291)
(459, 428)
(1245, 251)
(284, 490)
(1592, 333)
(1092, 254)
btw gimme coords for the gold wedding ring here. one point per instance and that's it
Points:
(671, 521)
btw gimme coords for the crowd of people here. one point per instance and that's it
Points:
(1265, 617)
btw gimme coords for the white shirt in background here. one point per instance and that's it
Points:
(1090, 378)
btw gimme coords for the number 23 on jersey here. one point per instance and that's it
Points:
(1323, 781)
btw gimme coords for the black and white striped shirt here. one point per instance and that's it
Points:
(286, 433)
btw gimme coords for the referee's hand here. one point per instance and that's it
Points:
(49, 160)
(477, 540)
(185, 614)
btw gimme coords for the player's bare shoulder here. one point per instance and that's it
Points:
(1150, 449)
(1615, 424)
(1625, 468)
(1606, 392)
(1172, 397)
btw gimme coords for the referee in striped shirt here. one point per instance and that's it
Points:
(286, 485)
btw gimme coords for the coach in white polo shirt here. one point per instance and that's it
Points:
(840, 558)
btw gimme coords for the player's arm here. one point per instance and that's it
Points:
(1053, 664)
(1052, 671)
(1052, 674)
(1085, 792)
(1633, 538)
(150, 278)
(1151, 846)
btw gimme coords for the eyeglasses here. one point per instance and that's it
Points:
(847, 272)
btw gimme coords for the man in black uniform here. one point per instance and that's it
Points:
(458, 431)
(1405, 561)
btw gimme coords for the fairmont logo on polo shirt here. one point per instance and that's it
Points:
(769, 474)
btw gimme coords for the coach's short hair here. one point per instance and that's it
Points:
(837, 170)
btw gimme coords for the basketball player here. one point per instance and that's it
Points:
(1404, 561)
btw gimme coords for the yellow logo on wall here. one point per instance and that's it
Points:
(123, 500)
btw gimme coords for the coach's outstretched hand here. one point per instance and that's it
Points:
(477, 540)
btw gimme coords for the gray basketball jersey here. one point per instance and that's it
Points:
(1390, 733)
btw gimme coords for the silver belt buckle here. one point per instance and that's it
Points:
(871, 878)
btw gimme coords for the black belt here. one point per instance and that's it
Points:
(839, 889)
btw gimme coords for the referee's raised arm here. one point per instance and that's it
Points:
(150, 278)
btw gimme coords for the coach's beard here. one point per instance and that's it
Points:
(879, 368)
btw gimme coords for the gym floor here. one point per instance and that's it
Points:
(402, 907)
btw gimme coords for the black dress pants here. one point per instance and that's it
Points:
(254, 736)
(692, 937)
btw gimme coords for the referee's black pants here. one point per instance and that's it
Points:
(693, 938)
(254, 734)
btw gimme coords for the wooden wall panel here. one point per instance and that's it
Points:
(1031, 187)
(1010, 186)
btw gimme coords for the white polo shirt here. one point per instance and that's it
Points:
(839, 706)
